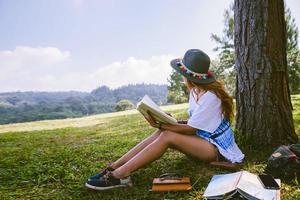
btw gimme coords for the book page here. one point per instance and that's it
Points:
(146, 104)
(250, 186)
(146, 99)
(221, 185)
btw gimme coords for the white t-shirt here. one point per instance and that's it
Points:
(206, 114)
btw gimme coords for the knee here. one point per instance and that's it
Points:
(167, 137)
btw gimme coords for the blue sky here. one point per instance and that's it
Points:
(54, 45)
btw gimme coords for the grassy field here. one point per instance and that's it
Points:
(52, 159)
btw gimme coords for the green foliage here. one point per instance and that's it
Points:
(177, 91)
(54, 164)
(293, 53)
(224, 65)
(124, 104)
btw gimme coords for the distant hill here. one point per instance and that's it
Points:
(32, 106)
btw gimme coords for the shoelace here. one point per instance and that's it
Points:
(106, 177)
(107, 170)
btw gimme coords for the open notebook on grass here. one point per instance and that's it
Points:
(146, 104)
(243, 182)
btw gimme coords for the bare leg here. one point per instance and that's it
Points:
(188, 144)
(132, 152)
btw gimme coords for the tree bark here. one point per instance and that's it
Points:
(264, 109)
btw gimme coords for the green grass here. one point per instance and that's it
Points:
(74, 122)
(52, 159)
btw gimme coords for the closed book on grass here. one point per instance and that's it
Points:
(243, 182)
(147, 105)
(171, 184)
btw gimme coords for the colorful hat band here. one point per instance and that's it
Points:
(194, 74)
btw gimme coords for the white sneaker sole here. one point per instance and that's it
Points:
(124, 183)
(104, 188)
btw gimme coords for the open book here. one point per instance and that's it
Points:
(146, 104)
(243, 182)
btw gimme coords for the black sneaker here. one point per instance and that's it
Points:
(99, 175)
(107, 181)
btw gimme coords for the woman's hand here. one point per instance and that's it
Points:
(151, 120)
(182, 121)
(169, 114)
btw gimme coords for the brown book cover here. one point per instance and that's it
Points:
(178, 184)
(227, 165)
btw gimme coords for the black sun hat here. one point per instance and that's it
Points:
(194, 66)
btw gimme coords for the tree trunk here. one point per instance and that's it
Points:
(264, 109)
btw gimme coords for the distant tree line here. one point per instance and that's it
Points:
(33, 106)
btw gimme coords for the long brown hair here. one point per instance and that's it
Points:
(218, 89)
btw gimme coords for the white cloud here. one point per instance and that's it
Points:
(20, 67)
(24, 56)
(153, 70)
(27, 68)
